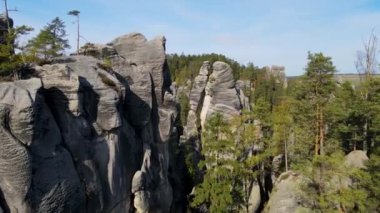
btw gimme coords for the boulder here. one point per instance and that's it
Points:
(285, 197)
(356, 159)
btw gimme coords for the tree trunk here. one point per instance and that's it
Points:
(321, 133)
(317, 128)
(7, 16)
(78, 36)
(365, 135)
(286, 152)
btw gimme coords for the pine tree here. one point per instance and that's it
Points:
(319, 88)
(50, 42)
(283, 127)
(248, 142)
(11, 62)
(218, 148)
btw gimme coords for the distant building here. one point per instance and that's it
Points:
(278, 72)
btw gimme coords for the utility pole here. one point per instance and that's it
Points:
(76, 13)
(7, 14)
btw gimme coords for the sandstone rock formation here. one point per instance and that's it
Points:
(254, 198)
(221, 94)
(285, 197)
(356, 159)
(84, 137)
(196, 97)
(213, 91)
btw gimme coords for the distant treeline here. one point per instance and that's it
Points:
(186, 67)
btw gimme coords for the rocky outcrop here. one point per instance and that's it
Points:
(356, 159)
(196, 97)
(213, 91)
(85, 137)
(285, 196)
(221, 95)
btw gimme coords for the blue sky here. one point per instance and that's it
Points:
(268, 32)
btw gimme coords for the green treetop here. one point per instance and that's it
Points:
(218, 149)
(50, 42)
(319, 86)
(12, 62)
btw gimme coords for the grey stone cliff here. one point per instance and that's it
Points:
(84, 137)
(213, 91)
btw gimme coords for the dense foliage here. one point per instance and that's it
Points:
(12, 60)
(186, 67)
(49, 43)
(15, 59)
(313, 123)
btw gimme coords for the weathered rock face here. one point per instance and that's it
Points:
(196, 100)
(285, 197)
(142, 64)
(213, 91)
(356, 159)
(221, 95)
(83, 138)
(254, 198)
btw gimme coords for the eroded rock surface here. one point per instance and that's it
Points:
(88, 137)
(221, 95)
(356, 159)
(196, 97)
(213, 91)
(285, 196)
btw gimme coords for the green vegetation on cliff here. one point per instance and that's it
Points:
(313, 124)
(186, 67)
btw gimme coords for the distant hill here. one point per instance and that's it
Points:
(354, 78)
